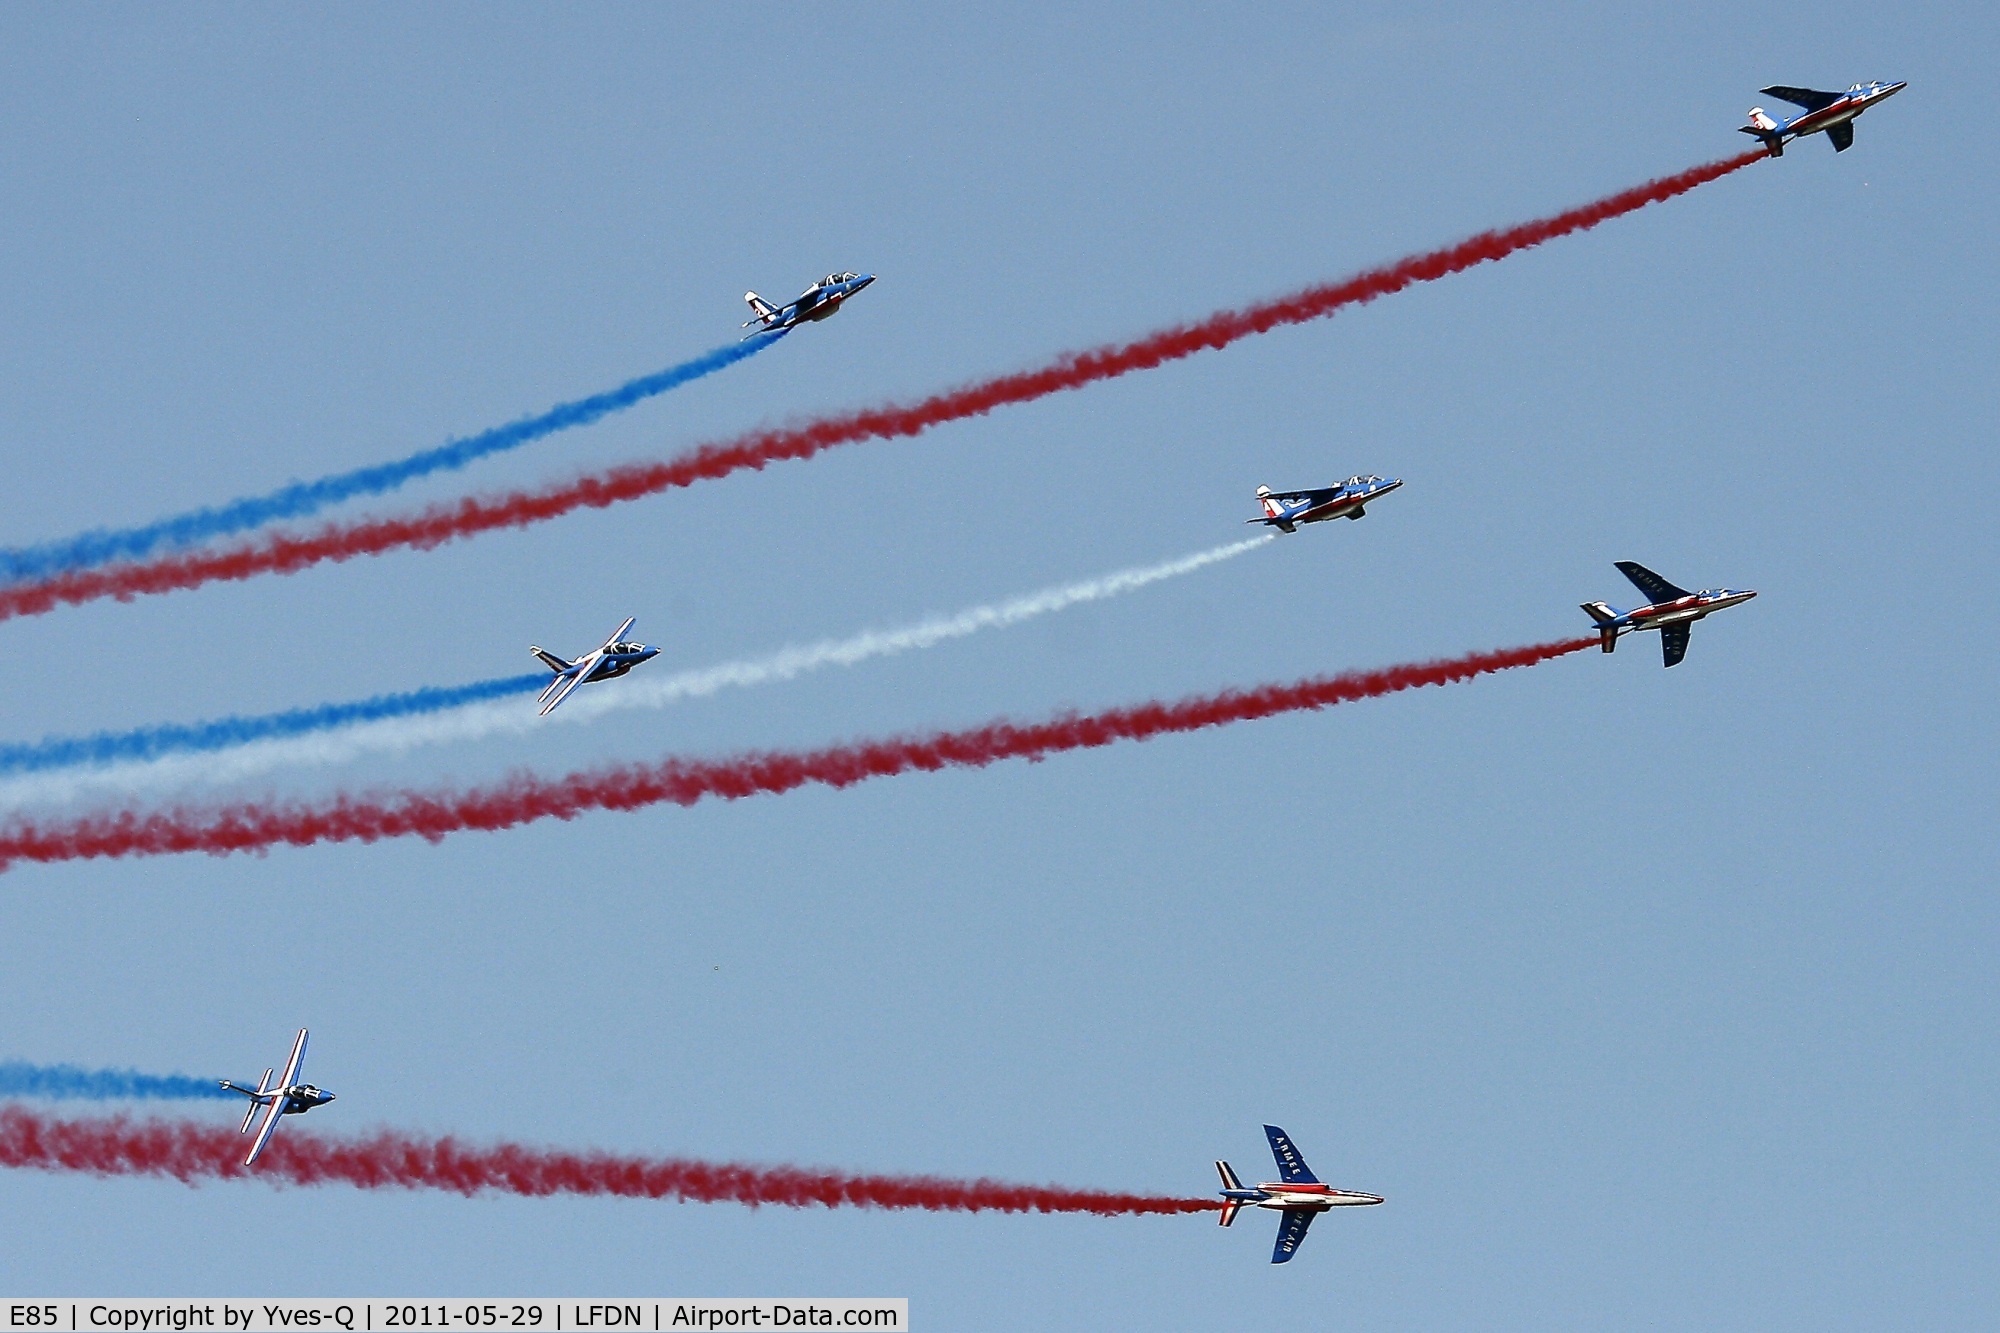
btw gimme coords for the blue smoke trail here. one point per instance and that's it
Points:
(20, 1079)
(302, 498)
(107, 747)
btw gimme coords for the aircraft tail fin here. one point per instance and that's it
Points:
(549, 659)
(1273, 511)
(1607, 624)
(764, 309)
(1230, 1207)
(1763, 127)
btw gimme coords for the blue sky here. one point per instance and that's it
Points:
(1642, 995)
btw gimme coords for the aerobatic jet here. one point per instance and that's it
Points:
(285, 1097)
(822, 300)
(1285, 510)
(1831, 112)
(615, 658)
(1298, 1195)
(1672, 611)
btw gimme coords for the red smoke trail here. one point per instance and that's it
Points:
(282, 554)
(189, 1152)
(520, 800)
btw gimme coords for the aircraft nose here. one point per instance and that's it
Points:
(1894, 88)
(863, 281)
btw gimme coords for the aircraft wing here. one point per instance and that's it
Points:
(560, 678)
(1674, 641)
(583, 670)
(269, 1127)
(298, 1059)
(1292, 1168)
(1657, 589)
(1291, 1233)
(1320, 496)
(1810, 98)
(619, 633)
(1842, 135)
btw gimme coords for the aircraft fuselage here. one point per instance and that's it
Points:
(1683, 610)
(820, 301)
(302, 1097)
(1851, 104)
(1318, 1198)
(1834, 118)
(615, 664)
(1347, 502)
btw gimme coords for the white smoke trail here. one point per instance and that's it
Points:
(476, 721)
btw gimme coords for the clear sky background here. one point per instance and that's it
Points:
(1646, 997)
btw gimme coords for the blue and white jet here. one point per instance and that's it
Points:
(285, 1097)
(1285, 510)
(615, 658)
(822, 300)
(1298, 1195)
(1832, 112)
(1672, 611)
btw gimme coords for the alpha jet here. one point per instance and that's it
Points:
(285, 1097)
(1672, 611)
(1831, 112)
(822, 300)
(615, 658)
(1299, 1195)
(1285, 510)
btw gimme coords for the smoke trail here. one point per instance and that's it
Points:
(426, 717)
(20, 1079)
(144, 743)
(303, 498)
(285, 554)
(190, 1153)
(254, 826)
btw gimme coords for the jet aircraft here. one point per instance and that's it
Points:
(1299, 1195)
(822, 300)
(1832, 112)
(1285, 510)
(1672, 610)
(285, 1097)
(615, 658)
